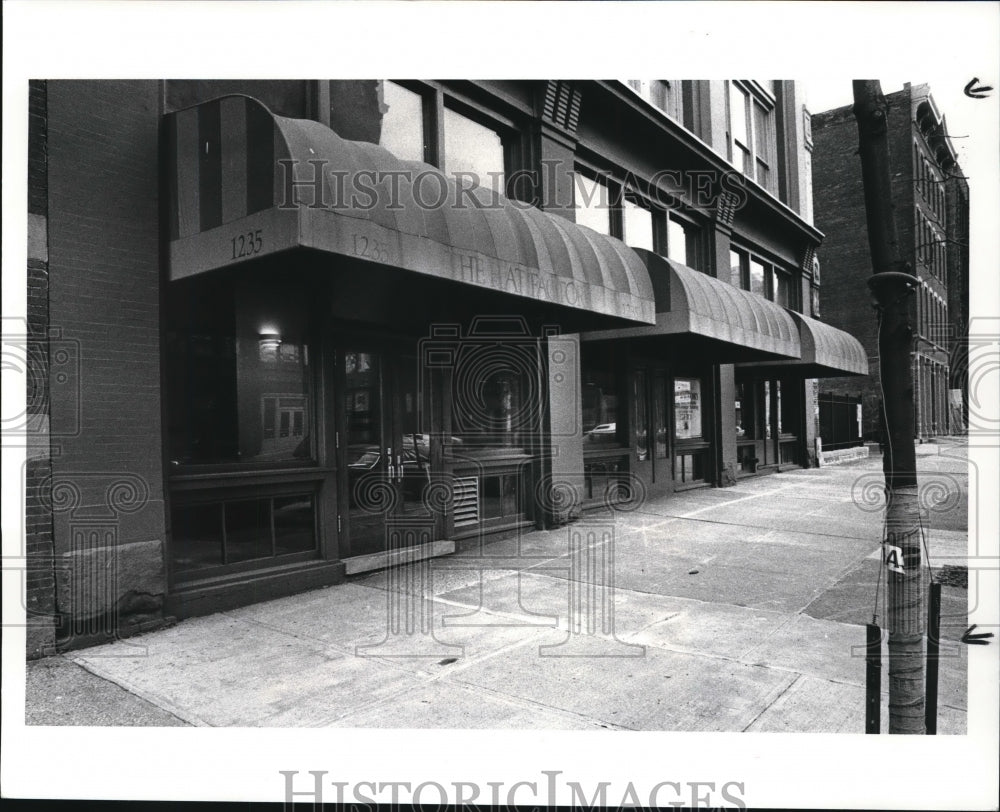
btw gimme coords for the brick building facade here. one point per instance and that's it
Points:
(252, 385)
(931, 198)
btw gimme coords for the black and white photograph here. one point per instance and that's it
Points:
(543, 440)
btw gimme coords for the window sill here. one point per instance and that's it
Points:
(488, 527)
(690, 486)
(219, 479)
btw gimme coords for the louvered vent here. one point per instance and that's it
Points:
(562, 105)
(466, 501)
(725, 208)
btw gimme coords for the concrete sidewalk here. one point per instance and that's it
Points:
(736, 609)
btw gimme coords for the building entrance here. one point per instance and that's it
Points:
(768, 423)
(386, 457)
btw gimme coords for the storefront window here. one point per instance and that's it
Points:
(744, 411)
(471, 147)
(788, 422)
(500, 496)
(363, 408)
(217, 533)
(777, 408)
(768, 414)
(495, 401)
(687, 408)
(599, 394)
(403, 122)
(639, 396)
(660, 416)
(238, 375)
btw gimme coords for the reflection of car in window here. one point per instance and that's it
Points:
(367, 461)
(603, 433)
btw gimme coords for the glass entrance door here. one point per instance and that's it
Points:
(369, 489)
(387, 457)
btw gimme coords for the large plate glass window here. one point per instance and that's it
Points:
(605, 456)
(687, 408)
(640, 396)
(691, 446)
(239, 375)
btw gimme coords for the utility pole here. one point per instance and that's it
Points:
(892, 285)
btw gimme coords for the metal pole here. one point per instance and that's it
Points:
(933, 658)
(873, 679)
(892, 286)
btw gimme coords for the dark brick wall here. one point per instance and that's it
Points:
(839, 206)
(104, 259)
(37, 146)
(957, 191)
(39, 598)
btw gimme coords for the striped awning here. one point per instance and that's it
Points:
(696, 309)
(246, 183)
(826, 353)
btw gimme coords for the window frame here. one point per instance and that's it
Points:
(612, 190)
(438, 97)
(505, 132)
(427, 107)
(772, 268)
(674, 109)
(762, 146)
(183, 469)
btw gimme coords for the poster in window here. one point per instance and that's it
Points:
(687, 408)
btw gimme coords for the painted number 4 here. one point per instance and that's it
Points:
(893, 557)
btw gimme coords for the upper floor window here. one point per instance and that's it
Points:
(662, 93)
(638, 225)
(751, 135)
(758, 278)
(782, 287)
(592, 201)
(609, 209)
(684, 242)
(402, 122)
(471, 147)
(763, 278)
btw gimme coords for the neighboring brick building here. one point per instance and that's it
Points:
(269, 357)
(931, 200)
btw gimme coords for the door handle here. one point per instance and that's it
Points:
(391, 467)
(399, 468)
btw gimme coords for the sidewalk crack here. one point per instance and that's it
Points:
(771, 704)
